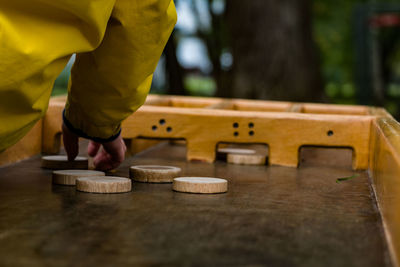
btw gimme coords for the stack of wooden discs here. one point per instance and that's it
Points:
(241, 156)
(244, 159)
(60, 162)
(154, 173)
(223, 152)
(68, 177)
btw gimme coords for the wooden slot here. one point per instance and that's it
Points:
(223, 149)
(257, 105)
(326, 156)
(196, 102)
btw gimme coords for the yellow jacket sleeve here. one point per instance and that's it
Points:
(37, 37)
(111, 82)
(118, 43)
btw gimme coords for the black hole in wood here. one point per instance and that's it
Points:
(330, 133)
(169, 129)
(251, 125)
(251, 133)
(162, 122)
(235, 125)
(154, 127)
(236, 133)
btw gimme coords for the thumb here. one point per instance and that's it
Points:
(93, 148)
(70, 143)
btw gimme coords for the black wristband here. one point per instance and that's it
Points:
(80, 133)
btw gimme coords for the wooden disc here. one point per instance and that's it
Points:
(68, 177)
(103, 184)
(223, 152)
(229, 150)
(246, 159)
(60, 162)
(154, 173)
(202, 185)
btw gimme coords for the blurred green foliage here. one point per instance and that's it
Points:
(61, 83)
(334, 36)
(200, 86)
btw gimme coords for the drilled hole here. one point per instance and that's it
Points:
(251, 125)
(330, 133)
(169, 129)
(154, 127)
(251, 133)
(235, 125)
(162, 122)
(236, 133)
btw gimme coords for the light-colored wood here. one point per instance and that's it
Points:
(285, 133)
(379, 112)
(68, 177)
(28, 146)
(200, 185)
(103, 184)
(334, 109)
(154, 173)
(385, 173)
(204, 128)
(233, 150)
(243, 159)
(60, 162)
(222, 152)
(295, 107)
(260, 105)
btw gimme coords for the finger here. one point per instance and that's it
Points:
(104, 162)
(111, 155)
(93, 148)
(116, 150)
(70, 143)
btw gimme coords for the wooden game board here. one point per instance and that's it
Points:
(285, 127)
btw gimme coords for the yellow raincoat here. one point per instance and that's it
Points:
(117, 45)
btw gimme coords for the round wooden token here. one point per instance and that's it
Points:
(201, 185)
(246, 159)
(68, 177)
(223, 152)
(154, 173)
(229, 150)
(103, 184)
(60, 162)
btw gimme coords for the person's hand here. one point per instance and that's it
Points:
(107, 156)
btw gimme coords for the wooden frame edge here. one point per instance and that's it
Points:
(384, 170)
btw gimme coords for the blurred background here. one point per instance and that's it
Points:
(331, 51)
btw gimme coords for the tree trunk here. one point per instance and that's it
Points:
(174, 69)
(273, 50)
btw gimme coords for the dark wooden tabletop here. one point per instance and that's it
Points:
(271, 216)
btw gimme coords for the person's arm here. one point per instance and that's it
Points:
(110, 83)
(37, 38)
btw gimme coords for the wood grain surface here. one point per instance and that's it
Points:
(154, 173)
(103, 184)
(68, 177)
(200, 185)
